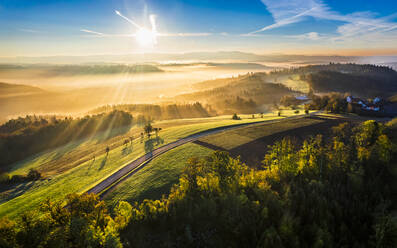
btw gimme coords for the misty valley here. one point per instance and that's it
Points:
(188, 123)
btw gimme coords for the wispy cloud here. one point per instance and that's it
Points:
(184, 34)
(286, 12)
(152, 19)
(307, 36)
(99, 34)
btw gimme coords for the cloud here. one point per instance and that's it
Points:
(307, 36)
(185, 34)
(99, 34)
(286, 12)
(152, 19)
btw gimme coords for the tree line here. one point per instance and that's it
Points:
(334, 194)
(161, 112)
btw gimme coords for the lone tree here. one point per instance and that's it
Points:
(148, 129)
(157, 130)
(107, 150)
(142, 136)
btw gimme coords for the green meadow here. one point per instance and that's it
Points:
(83, 172)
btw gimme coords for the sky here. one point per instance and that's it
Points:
(91, 27)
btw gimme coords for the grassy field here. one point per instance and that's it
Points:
(292, 81)
(157, 177)
(233, 138)
(83, 172)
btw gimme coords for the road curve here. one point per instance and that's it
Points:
(112, 180)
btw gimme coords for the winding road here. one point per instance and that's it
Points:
(132, 167)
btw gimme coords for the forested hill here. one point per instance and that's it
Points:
(18, 89)
(355, 69)
(360, 80)
(358, 85)
(245, 94)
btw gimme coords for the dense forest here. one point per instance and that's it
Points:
(161, 112)
(356, 79)
(348, 68)
(336, 194)
(22, 137)
(358, 85)
(245, 94)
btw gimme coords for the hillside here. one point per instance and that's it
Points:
(8, 90)
(77, 70)
(359, 85)
(244, 94)
(361, 80)
(159, 112)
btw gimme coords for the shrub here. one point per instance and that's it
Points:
(235, 117)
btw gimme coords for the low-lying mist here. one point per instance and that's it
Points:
(74, 90)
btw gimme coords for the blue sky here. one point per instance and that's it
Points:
(71, 27)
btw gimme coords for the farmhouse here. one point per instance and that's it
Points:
(365, 106)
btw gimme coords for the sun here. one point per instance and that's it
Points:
(146, 37)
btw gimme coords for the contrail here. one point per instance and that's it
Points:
(92, 32)
(127, 19)
(153, 22)
(106, 35)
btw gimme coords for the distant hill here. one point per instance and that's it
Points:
(229, 66)
(244, 94)
(8, 90)
(77, 70)
(393, 65)
(191, 56)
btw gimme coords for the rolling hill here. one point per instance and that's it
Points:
(9, 90)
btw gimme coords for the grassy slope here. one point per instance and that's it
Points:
(233, 138)
(88, 173)
(157, 177)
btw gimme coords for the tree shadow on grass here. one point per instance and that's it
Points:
(103, 162)
(159, 140)
(151, 143)
(126, 150)
(90, 166)
(8, 192)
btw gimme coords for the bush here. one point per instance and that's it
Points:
(33, 175)
(235, 117)
(17, 179)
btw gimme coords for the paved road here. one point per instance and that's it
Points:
(116, 177)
